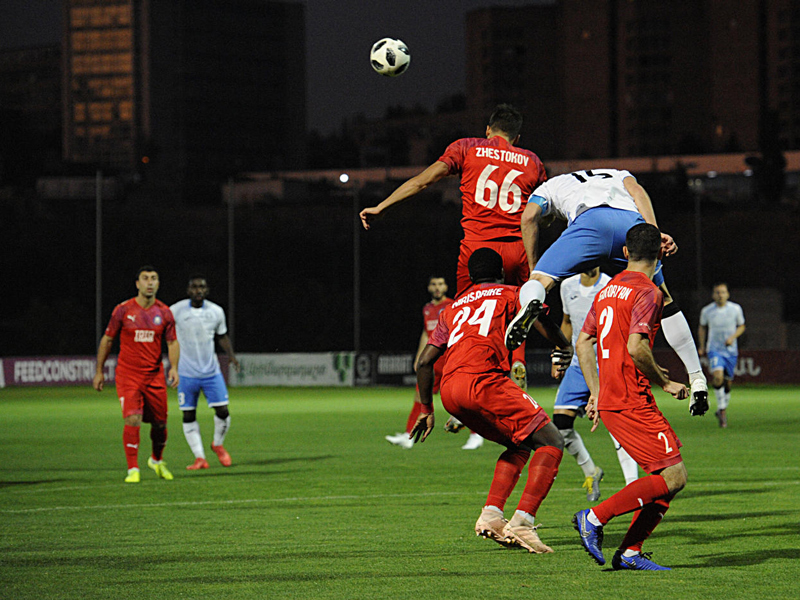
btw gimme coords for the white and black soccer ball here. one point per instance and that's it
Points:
(390, 57)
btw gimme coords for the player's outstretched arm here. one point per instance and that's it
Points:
(529, 224)
(645, 206)
(411, 187)
(425, 421)
(103, 350)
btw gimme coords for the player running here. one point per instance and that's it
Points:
(577, 295)
(721, 323)
(599, 205)
(476, 390)
(496, 179)
(622, 323)
(199, 322)
(141, 323)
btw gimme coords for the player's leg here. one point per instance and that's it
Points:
(155, 413)
(630, 470)
(188, 393)
(130, 398)
(548, 446)
(679, 336)
(517, 273)
(570, 402)
(491, 523)
(217, 396)
(651, 442)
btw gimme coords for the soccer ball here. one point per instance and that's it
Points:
(390, 57)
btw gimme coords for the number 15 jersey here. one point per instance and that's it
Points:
(496, 180)
(630, 303)
(473, 328)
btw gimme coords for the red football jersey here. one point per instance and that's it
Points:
(473, 329)
(630, 303)
(430, 314)
(140, 332)
(496, 181)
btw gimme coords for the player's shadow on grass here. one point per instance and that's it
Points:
(704, 518)
(4, 484)
(731, 491)
(740, 559)
(281, 461)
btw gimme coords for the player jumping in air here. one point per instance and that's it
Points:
(600, 206)
(497, 177)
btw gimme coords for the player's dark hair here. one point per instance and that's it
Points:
(643, 242)
(197, 276)
(485, 265)
(507, 119)
(144, 268)
(432, 277)
(719, 283)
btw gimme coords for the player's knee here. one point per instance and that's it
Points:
(189, 416)
(563, 422)
(717, 379)
(221, 412)
(675, 477)
(158, 425)
(133, 420)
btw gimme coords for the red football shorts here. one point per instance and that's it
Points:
(515, 261)
(646, 435)
(144, 395)
(492, 405)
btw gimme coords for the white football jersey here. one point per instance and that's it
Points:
(196, 329)
(722, 322)
(569, 195)
(576, 301)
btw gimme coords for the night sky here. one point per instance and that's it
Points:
(339, 34)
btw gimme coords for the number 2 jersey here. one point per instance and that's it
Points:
(472, 329)
(140, 333)
(630, 303)
(496, 180)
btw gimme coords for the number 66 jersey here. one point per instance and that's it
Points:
(472, 329)
(630, 303)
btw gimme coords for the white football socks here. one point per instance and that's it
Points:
(192, 433)
(679, 337)
(220, 429)
(630, 470)
(531, 290)
(722, 398)
(573, 442)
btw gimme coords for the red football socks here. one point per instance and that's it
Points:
(412, 417)
(158, 435)
(541, 475)
(643, 524)
(633, 496)
(130, 440)
(506, 474)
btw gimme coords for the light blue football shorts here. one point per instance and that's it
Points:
(213, 389)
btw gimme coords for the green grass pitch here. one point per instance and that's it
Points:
(318, 505)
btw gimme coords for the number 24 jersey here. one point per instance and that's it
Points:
(473, 328)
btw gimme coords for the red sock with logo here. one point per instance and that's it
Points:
(506, 474)
(643, 523)
(633, 496)
(541, 475)
(130, 440)
(412, 417)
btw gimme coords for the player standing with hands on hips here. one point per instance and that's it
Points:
(141, 323)
(199, 322)
(623, 322)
